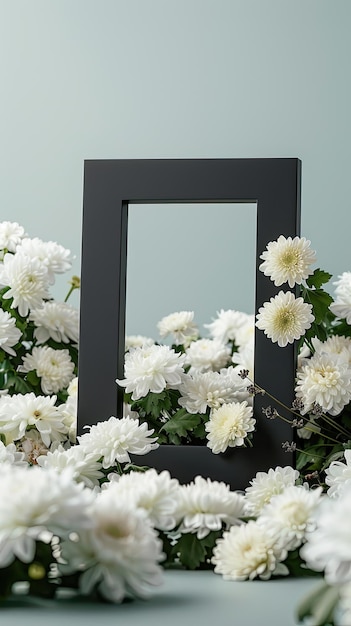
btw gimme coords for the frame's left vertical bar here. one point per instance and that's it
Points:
(103, 295)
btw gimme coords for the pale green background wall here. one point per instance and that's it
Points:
(174, 78)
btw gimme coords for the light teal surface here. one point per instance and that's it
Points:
(82, 79)
(185, 599)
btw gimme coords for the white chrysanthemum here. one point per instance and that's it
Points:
(120, 556)
(9, 333)
(324, 380)
(207, 389)
(342, 305)
(10, 454)
(137, 341)
(50, 254)
(181, 326)
(24, 411)
(205, 355)
(38, 501)
(151, 368)
(284, 318)
(265, 485)
(11, 235)
(227, 324)
(85, 467)
(56, 320)
(156, 493)
(55, 368)
(205, 505)
(28, 281)
(328, 547)
(290, 514)
(114, 439)
(248, 551)
(338, 475)
(337, 345)
(229, 425)
(288, 260)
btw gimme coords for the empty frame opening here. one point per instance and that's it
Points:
(197, 257)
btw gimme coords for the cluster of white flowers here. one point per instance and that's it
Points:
(281, 517)
(203, 371)
(286, 318)
(38, 336)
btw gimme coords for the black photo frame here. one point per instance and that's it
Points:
(274, 184)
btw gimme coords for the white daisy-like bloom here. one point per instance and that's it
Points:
(120, 555)
(181, 326)
(11, 235)
(288, 260)
(207, 389)
(55, 368)
(206, 505)
(291, 514)
(324, 380)
(56, 320)
(38, 501)
(341, 307)
(25, 411)
(206, 355)
(51, 255)
(229, 425)
(137, 341)
(28, 281)
(9, 333)
(338, 475)
(156, 493)
(85, 467)
(227, 324)
(114, 439)
(265, 485)
(249, 551)
(9, 454)
(284, 318)
(152, 368)
(328, 547)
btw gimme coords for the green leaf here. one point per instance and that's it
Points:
(320, 300)
(318, 278)
(190, 550)
(33, 378)
(21, 386)
(155, 403)
(181, 423)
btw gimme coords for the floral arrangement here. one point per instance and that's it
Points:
(84, 518)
